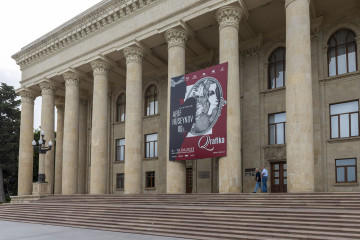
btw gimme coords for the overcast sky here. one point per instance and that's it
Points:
(23, 21)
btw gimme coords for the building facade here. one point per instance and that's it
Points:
(293, 96)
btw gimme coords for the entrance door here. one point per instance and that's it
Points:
(189, 180)
(278, 177)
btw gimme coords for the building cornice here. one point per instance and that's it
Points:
(87, 23)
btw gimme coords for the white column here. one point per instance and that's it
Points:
(48, 126)
(230, 167)
(59, 149)
(175, 170)
(299, 108)
(133, 122)
(99, 131)
(82, 145)
(71, 134)
(26, 152)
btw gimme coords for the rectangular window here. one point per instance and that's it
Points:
(120, 149)
(346, 170)
(344, 119)
(277, 125)
(120, 181)
(151, 145)
(150, 180)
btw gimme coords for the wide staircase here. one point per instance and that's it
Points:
(201, 216)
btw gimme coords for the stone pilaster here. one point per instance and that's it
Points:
(59, 149)
(230, 167)
(82, 145)
(71, 134)
(25, 148)
(133, 122)
(99, 132)
(299, 106)
(48, 126)
(175, 171)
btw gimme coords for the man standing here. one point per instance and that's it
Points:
(264, 174)
(257, 180)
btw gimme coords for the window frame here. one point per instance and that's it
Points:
(146, 144)
(122, 182)
(275, 124)
(120, 147)
(274, 63)
(336, 51)
(119, 105)
(152, 179)
(151, 97)
(349, 113)
(345, 177)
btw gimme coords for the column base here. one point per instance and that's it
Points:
(41, 189)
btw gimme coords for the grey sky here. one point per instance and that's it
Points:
(23, 21)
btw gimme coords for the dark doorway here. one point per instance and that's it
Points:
(278, 177)
(189, 180)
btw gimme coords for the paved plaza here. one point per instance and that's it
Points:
(29, 231)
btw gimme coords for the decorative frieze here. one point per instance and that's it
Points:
(277, 152)
(47, 88)
(251, 48)
(176, 37)
(133, 55)
(78, 28)
(100, 67)
(71, 79)
(229, 16)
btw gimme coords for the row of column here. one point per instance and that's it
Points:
(71, 139)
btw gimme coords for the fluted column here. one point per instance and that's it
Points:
(59, 148)
(133, 122)
(99, 131)
(71, 134)
(82, 145)
(175, 170)
(47, 162)
(299, 108)
(25, 177)
(230, 167)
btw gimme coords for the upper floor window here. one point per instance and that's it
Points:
(277, 128)
(151, 101)
(277, 68)
(151, 145)
(345, 170)
(120, 108)
(120, 149)
(344, 119)
(342, 52)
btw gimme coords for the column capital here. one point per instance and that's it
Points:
(229, 16)
(27, 96)
(71, 79)
(133, 55)
(47, 88)
(287, 2)
(100, 67)
(84, 100)
(60, 107)
(176, 37)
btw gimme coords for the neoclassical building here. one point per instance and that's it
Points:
(293, 96)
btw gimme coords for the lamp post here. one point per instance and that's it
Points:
(42, 150)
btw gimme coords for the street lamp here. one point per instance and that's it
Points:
(41, 149)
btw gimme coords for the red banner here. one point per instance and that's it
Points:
(198, 114)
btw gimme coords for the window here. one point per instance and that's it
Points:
(120, 149)
(150, 180)
(120, 181)
(151, 101)
(277, 68)
(342, 52)
(344, 118)
(121, 108)
(345, 170)
(277, 128)
(151, 146)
